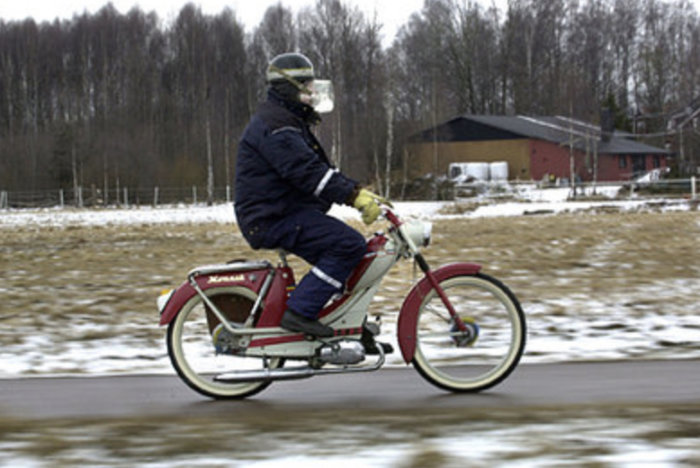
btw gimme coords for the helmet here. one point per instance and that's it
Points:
(291, 75)
(290, 67)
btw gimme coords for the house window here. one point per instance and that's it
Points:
(622, 161)
(656, 161)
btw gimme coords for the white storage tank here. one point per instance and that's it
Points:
(499, 171)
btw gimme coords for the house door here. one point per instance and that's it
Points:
(639, 165)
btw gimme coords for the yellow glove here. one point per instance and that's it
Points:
(366, 202)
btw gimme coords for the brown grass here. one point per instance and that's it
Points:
(110, 276)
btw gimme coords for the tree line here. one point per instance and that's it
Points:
(112, 100)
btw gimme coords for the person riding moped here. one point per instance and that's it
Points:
(285, 185)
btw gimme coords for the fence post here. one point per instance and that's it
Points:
(80, 196)
(194, 194)
(693, 187)
(228, 193)
(155, 196)
(126, 197)
(61, 201)
(3, 200)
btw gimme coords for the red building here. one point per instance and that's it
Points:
(534, 148)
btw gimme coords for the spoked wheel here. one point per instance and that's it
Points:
(201, 349)
(489, 348)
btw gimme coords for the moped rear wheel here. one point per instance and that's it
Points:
(490, 347)
(198, 351)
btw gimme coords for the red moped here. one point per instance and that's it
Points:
(462, 330)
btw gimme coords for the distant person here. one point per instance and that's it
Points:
(285, 185)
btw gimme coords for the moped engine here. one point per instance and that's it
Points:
(341, 353)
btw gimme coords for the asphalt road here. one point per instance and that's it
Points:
(624, 382)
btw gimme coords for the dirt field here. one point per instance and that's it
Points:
(81, 290)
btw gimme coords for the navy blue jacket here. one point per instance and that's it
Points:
(282, 169)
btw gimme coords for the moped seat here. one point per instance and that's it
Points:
(236, 266)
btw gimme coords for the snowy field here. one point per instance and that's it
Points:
(592, 327)
(531, 201)
(598, 280)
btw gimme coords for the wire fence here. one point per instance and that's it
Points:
(122, 197)
(154, 196)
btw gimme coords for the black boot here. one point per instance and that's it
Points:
(298, 323)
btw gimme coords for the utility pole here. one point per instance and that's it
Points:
(572, 179)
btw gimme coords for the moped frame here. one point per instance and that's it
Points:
(349, 311)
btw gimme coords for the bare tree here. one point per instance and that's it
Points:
(124, 100)
(344, 47)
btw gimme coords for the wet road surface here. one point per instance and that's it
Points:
(542, 385)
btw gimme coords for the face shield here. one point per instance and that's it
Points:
(319, 95)
(315, 93)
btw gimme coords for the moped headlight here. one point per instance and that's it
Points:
(427, 233)
(420, 232)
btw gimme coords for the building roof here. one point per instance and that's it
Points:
(556, 129)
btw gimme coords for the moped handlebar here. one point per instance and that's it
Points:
(390, 216)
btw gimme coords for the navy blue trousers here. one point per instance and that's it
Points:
(331, 246)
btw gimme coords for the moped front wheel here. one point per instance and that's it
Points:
(200, 350)
(485, 350)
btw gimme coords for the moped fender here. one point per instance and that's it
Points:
(182, 294)
(408, 317)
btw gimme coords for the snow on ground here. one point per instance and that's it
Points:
(121, 355)
(531, 201)
(169, 214)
